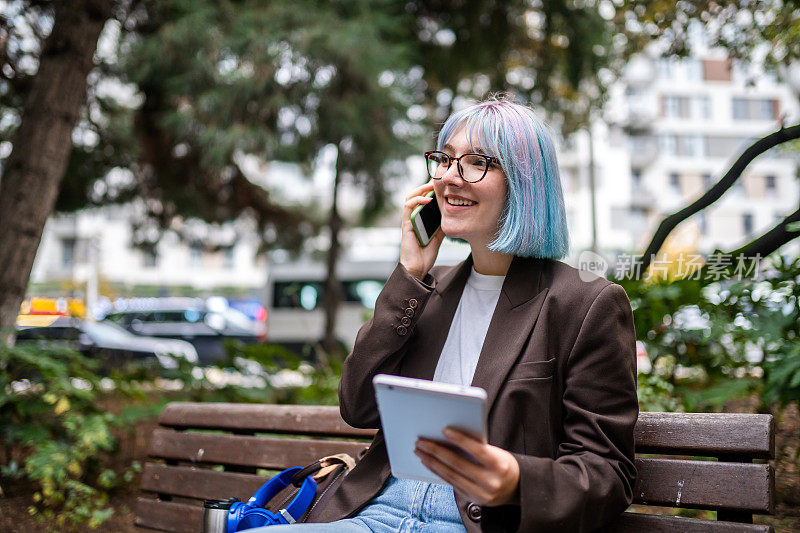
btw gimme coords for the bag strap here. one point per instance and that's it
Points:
(322, 467)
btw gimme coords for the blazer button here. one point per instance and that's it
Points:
(401, 330)
(409, 312)
(412, 303)
(474, 512)
(405, 321)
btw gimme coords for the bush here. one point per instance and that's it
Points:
(53, 432)
(723, 339)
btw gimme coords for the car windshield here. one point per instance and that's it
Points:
(107, 332)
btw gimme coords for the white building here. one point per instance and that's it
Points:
(672, 129)
(96, 246)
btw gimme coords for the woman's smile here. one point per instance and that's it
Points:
(455, 203)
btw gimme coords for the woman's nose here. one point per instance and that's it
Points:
(451, 176)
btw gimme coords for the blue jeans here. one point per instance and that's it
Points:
(404, 505)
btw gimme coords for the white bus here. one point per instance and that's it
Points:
(294, 300)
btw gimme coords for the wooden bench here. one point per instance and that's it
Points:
(205, 450)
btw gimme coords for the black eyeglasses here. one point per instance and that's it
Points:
(471, 167)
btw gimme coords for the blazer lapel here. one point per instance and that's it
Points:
(439, 311)
(518, 307)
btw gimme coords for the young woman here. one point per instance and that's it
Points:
(555, 353)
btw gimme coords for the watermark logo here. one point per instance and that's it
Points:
(591, 265)
(714, 267)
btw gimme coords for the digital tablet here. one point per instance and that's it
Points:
(411, 408)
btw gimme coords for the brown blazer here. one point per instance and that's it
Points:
(558, 365)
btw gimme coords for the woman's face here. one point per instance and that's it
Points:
(476, 218)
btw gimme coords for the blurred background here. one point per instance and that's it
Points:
(201, 200)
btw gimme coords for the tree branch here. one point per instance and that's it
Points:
(771, 240)
(712, 195)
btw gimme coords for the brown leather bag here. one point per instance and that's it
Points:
(328, 472)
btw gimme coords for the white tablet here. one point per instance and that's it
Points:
(411, 408)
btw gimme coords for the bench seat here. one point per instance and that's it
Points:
(710, 461)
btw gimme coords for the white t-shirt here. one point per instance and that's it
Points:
(468, 330)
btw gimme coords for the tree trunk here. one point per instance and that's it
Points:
(333, 288)
(716, 192)
(41, 146)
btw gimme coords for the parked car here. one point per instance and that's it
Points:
(205, 324)
(106, 341)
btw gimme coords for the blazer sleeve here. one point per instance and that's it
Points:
(591, 480)
(380, 345)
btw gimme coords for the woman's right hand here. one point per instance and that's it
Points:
(418, 259)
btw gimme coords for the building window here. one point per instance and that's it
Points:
(676, 106)
(675, 183)
(669, 144)
(693, 146)
(770, 186)
(702, 222)
(747, 224)
(766, 110)
(196, 255)
(754, 108)
(636, 178)
(695, 107)
(229, 258)
(740, 111)
(67, 252)
(738, 187)
(701, 107)
(150, 258)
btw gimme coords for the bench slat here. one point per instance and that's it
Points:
(199, 483)
(184, 518)
(705, 485)
(638, 522)
(709, 434)
(260, 452)
(292, 419)
(168, 516)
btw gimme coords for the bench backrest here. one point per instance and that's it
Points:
(221, 450)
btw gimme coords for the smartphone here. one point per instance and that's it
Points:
(426, 219)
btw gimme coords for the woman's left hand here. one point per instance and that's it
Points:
(493, 480)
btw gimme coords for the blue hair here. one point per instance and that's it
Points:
(534, 222)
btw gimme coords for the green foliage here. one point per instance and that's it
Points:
(49, 411)
(783, 376)
(768, 29)
(716, 340)
(656, 394)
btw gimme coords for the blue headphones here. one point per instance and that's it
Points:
(243, 516)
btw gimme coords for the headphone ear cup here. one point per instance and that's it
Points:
(235, 515)
(256, 518)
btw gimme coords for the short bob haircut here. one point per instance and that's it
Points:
(534, 222)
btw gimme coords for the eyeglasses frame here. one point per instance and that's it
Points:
(489, 158)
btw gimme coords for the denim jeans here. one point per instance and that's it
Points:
(404, 505)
